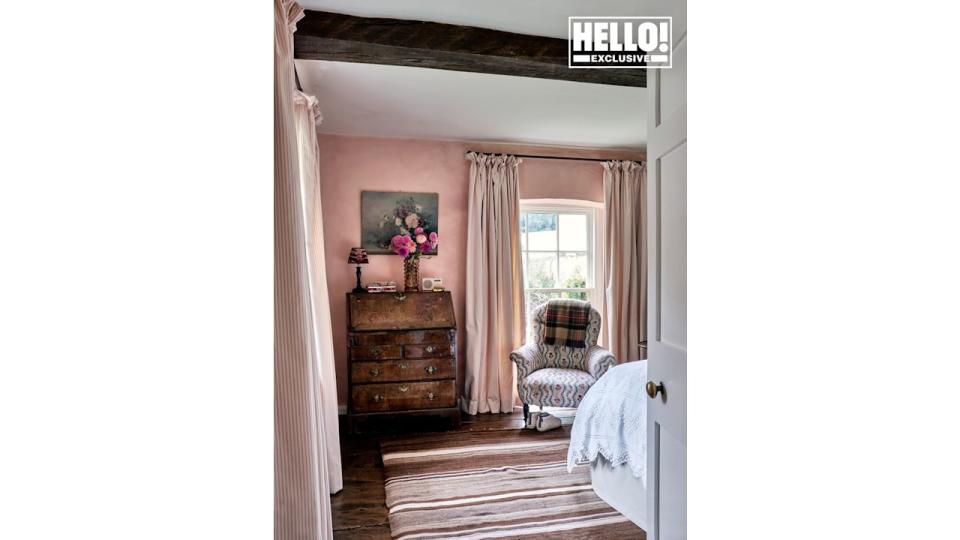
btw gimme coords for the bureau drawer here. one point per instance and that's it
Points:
(375, 352)
(428, 336)
(402, 370)
(430, 350)
(401, 337)
(403, 396)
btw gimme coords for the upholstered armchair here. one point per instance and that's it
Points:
(556, 375)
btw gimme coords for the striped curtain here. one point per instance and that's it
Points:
(301, 470)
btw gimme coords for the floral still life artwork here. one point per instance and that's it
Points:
(399, 223)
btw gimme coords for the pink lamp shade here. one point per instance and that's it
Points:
(358, 256)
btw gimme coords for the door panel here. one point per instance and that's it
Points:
(673, 83)
(673, 494)
(667, 287)
(672, 244)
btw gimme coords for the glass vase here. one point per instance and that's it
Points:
(411, 274)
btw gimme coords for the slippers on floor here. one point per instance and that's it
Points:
(546, 422)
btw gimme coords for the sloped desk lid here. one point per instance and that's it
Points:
(405, 311)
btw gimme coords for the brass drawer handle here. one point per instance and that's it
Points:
(430, 369)
(375, 351)
(431, 396)
(404, 388)
(376, 372)
(430, 348)
(377, 398)
(404, 365)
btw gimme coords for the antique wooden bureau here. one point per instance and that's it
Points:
(403, 356)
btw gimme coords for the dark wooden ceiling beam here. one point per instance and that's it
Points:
(344, 38)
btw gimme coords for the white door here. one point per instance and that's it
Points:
(667, 286)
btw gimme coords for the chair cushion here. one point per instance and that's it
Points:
(555, 387)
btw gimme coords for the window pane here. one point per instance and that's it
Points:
(536, 299)
(523, 231)
(542, 231)
(573, 232)
(573, 270)
(542, 270)
(574, 295)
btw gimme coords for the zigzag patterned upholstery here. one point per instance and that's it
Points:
(558, 376)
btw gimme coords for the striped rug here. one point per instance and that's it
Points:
(494, 484)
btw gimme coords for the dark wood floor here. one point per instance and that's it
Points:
(359, 511)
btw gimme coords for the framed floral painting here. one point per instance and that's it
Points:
(385, 214)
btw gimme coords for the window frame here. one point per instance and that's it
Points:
(592, 211)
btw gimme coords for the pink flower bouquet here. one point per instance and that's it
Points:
(413, 246)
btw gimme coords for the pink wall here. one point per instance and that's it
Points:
(559, 179)
(349, 165)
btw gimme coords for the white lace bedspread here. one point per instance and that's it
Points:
(612, 421)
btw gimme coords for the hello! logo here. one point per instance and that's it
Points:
(620, 42)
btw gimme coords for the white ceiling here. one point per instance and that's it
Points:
(394, 101)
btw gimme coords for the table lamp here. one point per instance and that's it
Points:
(358, 256)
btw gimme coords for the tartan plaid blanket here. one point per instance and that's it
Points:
(565, 323)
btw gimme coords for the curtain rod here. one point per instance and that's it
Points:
(531, 156)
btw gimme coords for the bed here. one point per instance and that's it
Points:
(610, 434)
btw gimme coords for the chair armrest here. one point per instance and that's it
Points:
(599, 360)
(527, 359)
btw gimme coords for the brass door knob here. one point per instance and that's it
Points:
(654, 389)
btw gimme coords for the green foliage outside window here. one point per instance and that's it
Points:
(541, 278)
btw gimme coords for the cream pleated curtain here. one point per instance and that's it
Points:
(625, 268)
(301, 464)
(307, 115)
(495, 313)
